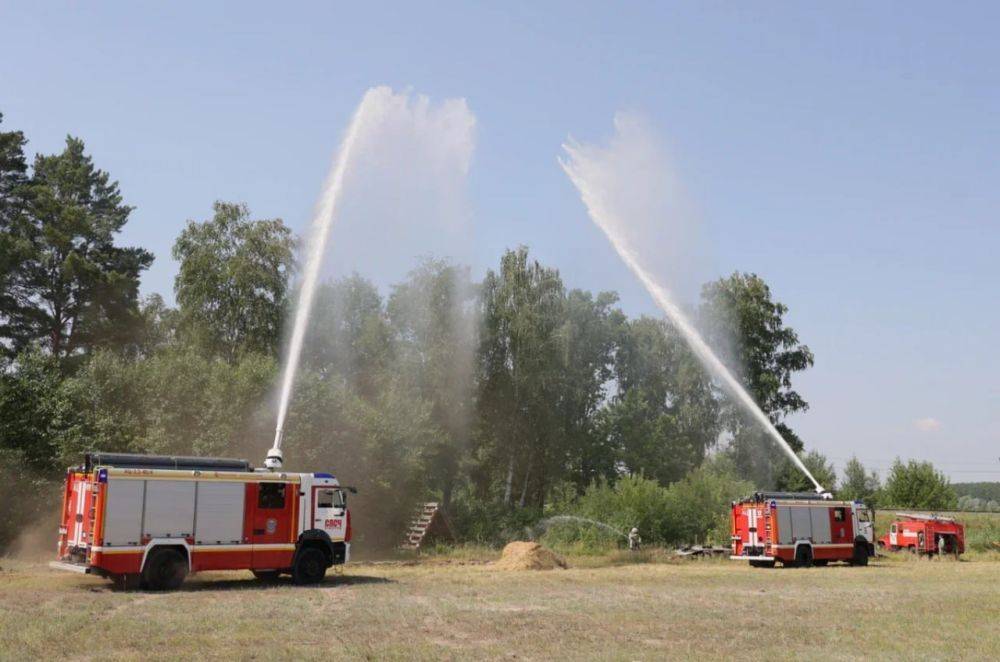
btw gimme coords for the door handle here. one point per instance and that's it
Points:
(258, 532)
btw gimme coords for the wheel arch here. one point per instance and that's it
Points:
(166, 543)
(315, 538)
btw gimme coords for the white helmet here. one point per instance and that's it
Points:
(635, 530)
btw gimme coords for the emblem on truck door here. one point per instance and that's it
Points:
(272, 525)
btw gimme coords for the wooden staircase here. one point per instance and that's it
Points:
(428, 520)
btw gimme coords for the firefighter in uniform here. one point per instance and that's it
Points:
(941, 547)
(634, 541)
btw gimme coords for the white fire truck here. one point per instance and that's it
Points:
(801, 529)
(150, 520)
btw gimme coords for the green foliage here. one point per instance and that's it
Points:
(664, 417)
(588, 338)
(32, 410)
(431, 317)
(858, 484)
(739, 314)
(982, 535)
(159, 325)
(791, 478)
(73, 290)
(14, 247)
(490, 522)
(177, 402)
(520, 361)
(693, 509)
(701, 502)
(13, 170)
(349, 336)
(989, 490)
(918, 485)
(380, 446)
(633, 501)
(983, 497)
(966, 502)
(740, 319)
(232, 281)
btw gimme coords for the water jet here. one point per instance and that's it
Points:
(595, 173)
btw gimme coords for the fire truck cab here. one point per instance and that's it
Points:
(149, 520)
(801, 529)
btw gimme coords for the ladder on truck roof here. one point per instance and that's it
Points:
(428, 520)
(925, 518)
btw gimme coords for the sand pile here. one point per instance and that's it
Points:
(528, 556)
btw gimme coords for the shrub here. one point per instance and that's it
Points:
(700, 504)
(693, 509)
(918, 485)
(489, 522)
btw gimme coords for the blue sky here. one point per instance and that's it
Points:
(847, 154)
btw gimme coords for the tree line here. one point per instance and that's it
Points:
(505, 398)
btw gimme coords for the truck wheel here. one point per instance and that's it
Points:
(165, 570)
(310, 566)
(860, 557)
(266, 575)
(803, 556)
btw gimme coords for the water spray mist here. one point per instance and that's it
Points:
(585, 166)
(401, 130)
(321, 223)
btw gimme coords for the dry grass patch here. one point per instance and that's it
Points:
(449, 611)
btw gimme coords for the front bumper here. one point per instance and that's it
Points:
(752, 558)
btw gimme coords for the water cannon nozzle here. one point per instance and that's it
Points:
(273, 460)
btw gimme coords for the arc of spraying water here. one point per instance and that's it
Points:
(322, 222)
(584, 520)
(602, 218)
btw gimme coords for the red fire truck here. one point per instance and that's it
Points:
(924, 534)
(800, 529)
(150, 520)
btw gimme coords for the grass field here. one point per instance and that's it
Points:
(461, 608)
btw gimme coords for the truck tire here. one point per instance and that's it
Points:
(165, 570)
(803, 556)
(860, 557)
(310, 566)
